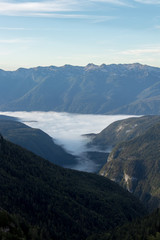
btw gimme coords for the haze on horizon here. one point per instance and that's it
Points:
(77, 32)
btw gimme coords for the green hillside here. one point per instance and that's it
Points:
(62, 203)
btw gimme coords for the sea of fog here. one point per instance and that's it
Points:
(68, 129)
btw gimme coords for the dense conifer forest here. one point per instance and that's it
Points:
(147, 228)
(62, 203)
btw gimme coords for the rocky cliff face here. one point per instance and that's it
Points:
(135, 165)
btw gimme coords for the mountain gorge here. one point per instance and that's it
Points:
(105, 89)
(41, 200)
(60, 203)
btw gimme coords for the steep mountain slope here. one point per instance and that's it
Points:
(130, 88)
(135, 165)
(13, 227)
(36, 141)
(65, 204)
(122, 130)
(147, 228)
(15, 84)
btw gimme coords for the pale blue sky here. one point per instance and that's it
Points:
(42, 32)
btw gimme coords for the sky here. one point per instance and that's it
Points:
(78, 32)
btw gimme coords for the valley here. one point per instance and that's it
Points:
(129, 132)
(126, 151)
(60, 203)
(79, 120)
(79, 153)
(68, 131)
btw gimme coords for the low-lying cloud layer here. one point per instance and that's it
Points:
(67, 129)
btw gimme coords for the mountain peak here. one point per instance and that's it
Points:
(91, 66)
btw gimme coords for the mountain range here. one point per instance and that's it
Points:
(104, 89)
(40, 200)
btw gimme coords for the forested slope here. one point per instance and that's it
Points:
(63, 203)
(36, 141)
(147, 228)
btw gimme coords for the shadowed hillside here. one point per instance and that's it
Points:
(147, 228)
(36, 141)
(65, 204)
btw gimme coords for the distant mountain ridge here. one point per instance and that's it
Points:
(104, 89)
